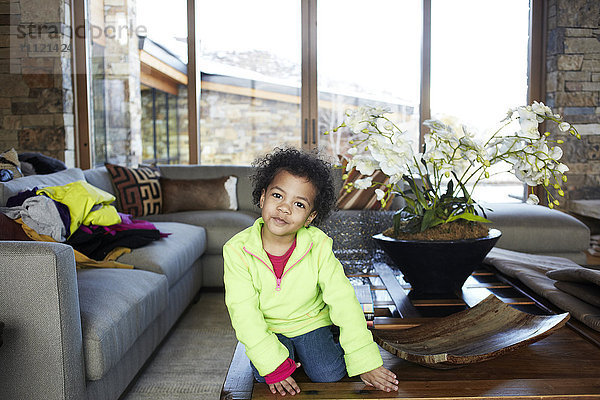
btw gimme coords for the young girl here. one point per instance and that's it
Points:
(284, 288)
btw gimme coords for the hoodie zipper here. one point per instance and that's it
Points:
(278, 280)
(288, 270)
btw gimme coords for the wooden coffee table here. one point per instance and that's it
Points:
(565, 365)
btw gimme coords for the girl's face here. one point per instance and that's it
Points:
(287, 204)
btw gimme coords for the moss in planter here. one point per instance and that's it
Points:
(455, 230)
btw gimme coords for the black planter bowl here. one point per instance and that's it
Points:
(438, 267)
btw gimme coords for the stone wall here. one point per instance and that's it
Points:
(573, 88)
(182, 115)
(236, 129)
(36, 92)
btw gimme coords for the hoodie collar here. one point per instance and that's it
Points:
(254, 244)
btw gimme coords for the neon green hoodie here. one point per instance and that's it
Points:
(313, 292)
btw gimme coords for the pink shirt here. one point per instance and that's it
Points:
(280, 261)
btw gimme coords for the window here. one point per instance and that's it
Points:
(98, 102)
(378, 64)
(133, 54)
(268, 75)
(164, 122)
(479, 71)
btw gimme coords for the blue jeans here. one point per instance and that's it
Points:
(321, 357)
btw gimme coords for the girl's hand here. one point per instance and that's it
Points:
(381, 378)
(288, 384)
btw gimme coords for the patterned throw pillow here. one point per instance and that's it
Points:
(138, 189)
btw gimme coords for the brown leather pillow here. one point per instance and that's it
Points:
(199, 194)
(10, 230)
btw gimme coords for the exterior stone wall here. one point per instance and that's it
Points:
(36, 92)
(182, 116)
(573, 88)
(236, 129)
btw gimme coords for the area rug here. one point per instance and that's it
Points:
(193, 360)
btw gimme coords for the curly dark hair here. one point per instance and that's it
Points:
(311, 166)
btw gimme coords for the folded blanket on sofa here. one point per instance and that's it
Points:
(512, 262)
(580, 274)
(583, 291)
(532, 270)
(583, 283)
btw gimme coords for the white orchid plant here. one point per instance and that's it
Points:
(440, 181)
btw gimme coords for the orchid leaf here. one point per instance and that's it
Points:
(430, 220)
(469, 217)
(410, 202)
(415, 189)
(405, 221)
(450, 188)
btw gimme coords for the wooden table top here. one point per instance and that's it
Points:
(561, 366)
(564, 365)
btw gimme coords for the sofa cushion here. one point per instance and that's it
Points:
(537, 229)
(171, 256)
(117, 306)
(100, 178)
(11, 188)
(220, 225)
(138, 189)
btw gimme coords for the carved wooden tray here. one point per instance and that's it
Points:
(485, 331)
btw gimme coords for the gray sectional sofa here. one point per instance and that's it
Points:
(85, 333)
